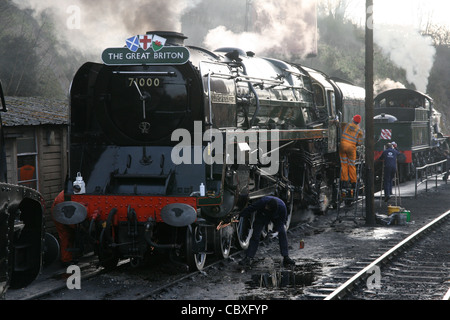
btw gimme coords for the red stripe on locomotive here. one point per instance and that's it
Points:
(145, 206)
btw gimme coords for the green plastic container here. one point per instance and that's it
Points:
(408, 215)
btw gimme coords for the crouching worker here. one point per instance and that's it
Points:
(268, 209)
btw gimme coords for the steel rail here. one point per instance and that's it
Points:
(56, 287)
(447, 295)
(151, 292)
(361, 275)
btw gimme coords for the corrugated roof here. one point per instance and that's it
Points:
(34, 111)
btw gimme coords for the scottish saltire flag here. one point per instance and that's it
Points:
(133, 43)
(145, 41)
(158, 42)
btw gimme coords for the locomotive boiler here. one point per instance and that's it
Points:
(168, 142)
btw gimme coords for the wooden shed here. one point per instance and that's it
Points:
(36, 133)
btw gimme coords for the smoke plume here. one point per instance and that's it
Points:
(409, 50)
(284, 28)
(279, 27)
(386, 84)
(92, 26)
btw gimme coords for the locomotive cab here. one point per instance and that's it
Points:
(324, 95)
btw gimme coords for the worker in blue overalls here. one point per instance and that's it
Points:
(389, 156)
(267, 209)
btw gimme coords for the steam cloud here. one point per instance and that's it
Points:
(409, 50)
(386, 84)
(280, 28)
(283, 28)
(107, 23)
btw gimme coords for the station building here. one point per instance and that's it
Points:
(36, 140)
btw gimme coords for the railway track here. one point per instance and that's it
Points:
(154, 281)
(417, 268)
(393, 279)
(124, 282)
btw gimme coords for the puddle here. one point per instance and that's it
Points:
(378, 233)
(281, 279)
(279, 283)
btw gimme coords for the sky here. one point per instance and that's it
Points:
(414, 13)
(283, 28)
(397, 31)
(115, 19)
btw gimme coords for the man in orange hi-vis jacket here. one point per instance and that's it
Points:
(352, 136)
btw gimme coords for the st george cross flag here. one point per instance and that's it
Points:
(145, 41)
(386, 134)
(133, 43)
(158, 42)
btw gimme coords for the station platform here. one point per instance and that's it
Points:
(408, 189)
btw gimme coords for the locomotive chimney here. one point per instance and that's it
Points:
(173, 38)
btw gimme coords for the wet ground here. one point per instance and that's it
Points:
(329, 245)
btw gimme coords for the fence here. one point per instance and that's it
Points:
(428, 172)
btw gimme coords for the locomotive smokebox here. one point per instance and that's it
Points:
(172, 38)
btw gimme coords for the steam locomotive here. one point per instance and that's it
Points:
(408, 118)
(21, 227)
(168, 143)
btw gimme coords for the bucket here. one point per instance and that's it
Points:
(407, 213)
(401, 216)
(392, 209)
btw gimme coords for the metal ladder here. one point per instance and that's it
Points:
(342, 196)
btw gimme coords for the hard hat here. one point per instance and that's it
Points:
(357, 118)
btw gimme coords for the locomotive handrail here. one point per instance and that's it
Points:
(295, 73)
(281, 85)
(209, 99)
(425, 167)
(276, 83)
(249, 79)
(220, 75)
(152, 73)
(279, 82)
(238, 78)
(142, 175)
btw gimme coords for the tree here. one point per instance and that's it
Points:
(341, 51)
(33, 61)
(18, 65)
